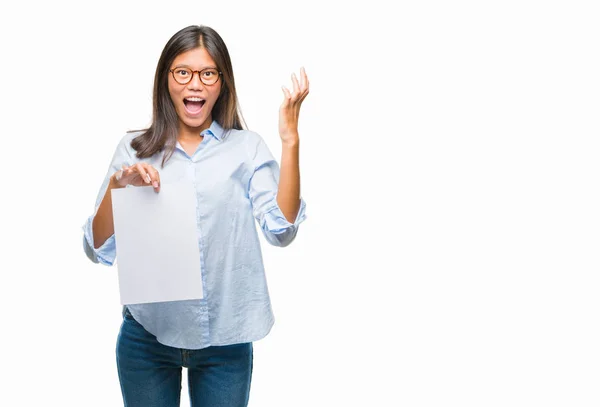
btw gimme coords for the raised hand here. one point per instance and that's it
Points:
(289, 110)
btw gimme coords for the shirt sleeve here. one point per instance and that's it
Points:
(263, 187)
(106, 254)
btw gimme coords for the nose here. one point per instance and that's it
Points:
(195, 82)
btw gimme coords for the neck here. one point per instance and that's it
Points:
(187, 132)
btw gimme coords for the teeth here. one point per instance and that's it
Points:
(194, 99)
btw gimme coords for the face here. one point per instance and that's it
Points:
(194, 101)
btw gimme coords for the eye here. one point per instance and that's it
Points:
(210, 73)
(182, 72)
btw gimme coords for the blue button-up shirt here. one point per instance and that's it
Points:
(236, 179)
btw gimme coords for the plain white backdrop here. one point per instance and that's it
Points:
(449, 160)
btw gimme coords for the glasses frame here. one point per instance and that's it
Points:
(199, 75)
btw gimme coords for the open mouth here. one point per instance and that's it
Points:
(193, 105)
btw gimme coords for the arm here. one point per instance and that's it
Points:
(274, 192)
(288, 194)
(138, 174)
(98, 231)
(263, 190)
(102, 225)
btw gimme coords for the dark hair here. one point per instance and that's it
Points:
(162, 133)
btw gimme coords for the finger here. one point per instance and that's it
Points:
(154, 176)
(304, 79)
(304, 91)
(128, 175)
(286, 96)
(119, 174)
(139, 168)
(299, 99)
(304, 95)
(296, 85)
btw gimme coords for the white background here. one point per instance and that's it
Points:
(449, 161)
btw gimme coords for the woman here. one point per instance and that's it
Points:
(197, 135)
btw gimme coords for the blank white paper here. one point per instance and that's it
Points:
(158, 257)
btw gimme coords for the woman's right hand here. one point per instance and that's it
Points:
(139, 175)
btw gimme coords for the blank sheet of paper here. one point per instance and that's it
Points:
(158, 257)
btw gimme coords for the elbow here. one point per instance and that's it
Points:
(104, 257)
(277, 227)
(89, 252)
(282, 239)
(104, 253)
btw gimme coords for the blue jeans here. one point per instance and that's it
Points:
(150, 372)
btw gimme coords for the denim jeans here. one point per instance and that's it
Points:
(150, 372)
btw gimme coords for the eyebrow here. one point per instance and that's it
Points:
(187, 66)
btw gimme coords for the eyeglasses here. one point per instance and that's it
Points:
(183, 76)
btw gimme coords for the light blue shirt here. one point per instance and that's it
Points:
(236, 179)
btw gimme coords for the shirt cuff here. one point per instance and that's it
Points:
(275, 222)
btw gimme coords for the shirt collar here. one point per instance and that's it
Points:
(214, 130)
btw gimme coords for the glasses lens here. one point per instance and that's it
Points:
(182, 75)
(209, 76)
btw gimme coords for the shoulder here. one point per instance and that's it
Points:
(247, 139)
(130, 135)
(124, 145)
(252, 141)
(247, 136)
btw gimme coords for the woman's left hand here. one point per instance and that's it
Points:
(289, 110)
